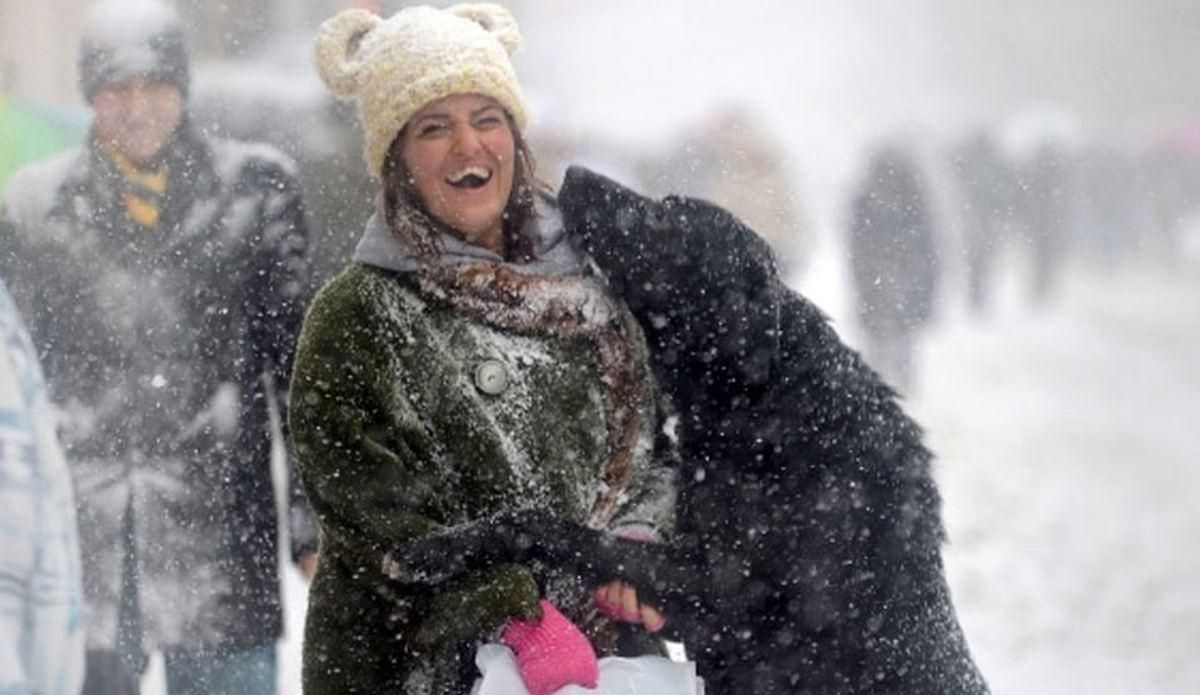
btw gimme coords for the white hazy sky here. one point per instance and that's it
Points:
(828, 76)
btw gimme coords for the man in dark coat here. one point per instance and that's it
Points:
(163, 275)
(807, 549)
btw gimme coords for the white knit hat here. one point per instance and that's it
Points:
(395, 67)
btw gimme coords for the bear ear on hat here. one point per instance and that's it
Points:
(337, 45)
(495, 20)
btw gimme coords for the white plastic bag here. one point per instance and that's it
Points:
(643, 675)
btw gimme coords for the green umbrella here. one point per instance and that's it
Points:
(29, 133)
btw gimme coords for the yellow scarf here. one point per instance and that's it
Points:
(144, 193)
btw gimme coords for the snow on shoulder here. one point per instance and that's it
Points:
(30, 191)
(234, 155)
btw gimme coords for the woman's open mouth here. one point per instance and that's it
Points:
(470, 178)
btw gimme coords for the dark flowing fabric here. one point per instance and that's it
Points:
(806, 492)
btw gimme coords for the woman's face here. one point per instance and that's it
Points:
(460, 153)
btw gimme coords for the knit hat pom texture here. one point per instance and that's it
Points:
(395, 67)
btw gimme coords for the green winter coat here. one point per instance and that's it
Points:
(409, 416)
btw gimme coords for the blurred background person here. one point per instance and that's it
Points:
(41, 621)
(985, 186)
(1043, 209)
(1170, 175)
(163, 275)
(893, 260)
(1109, 215)
(732, 159)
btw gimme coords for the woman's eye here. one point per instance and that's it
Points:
(488, 122)
(430, 129)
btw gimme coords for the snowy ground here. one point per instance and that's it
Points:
(1069, 465)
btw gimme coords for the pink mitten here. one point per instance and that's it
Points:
(551, 652)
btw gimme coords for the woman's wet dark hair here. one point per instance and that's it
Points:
(400, 191)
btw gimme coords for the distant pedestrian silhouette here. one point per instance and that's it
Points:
(894, 261)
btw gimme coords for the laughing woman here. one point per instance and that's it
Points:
(466, 364)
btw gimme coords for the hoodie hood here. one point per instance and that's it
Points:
(554, 253)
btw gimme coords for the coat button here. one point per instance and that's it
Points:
(491, 377)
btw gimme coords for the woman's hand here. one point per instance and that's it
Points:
(619, 601)
(551, 652)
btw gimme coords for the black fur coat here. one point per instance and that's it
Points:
(807, 553)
